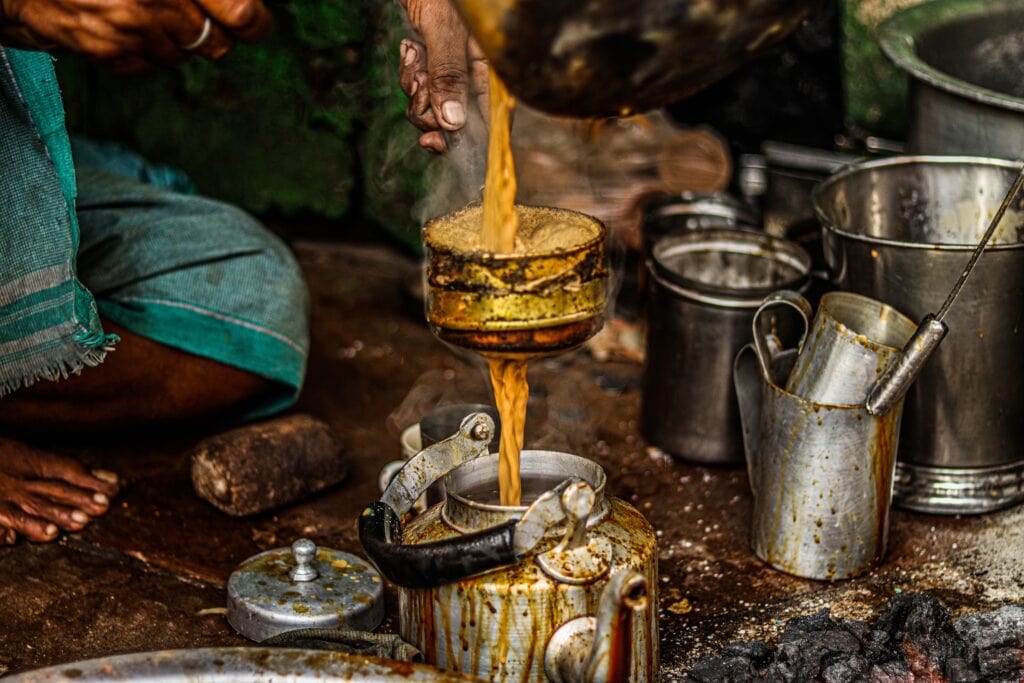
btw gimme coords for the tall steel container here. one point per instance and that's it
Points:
(901, 231)
(705, 287)
(965, 59)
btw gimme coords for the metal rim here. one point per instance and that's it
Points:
(489, 257)
(899, 34)
(906, 160)
(743, 242)
(958, 490)
(831, 297)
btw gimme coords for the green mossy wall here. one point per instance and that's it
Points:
(311, 121)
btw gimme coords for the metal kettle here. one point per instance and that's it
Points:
(561, 590)
(612, 58)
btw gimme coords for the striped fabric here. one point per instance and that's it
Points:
(186, 271)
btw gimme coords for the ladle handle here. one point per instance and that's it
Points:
(901, 373)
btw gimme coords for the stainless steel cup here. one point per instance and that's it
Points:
(901, 230)
(705, 287)
(851, 343)
(821, 474)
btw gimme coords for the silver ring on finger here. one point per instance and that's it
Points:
(203, 35)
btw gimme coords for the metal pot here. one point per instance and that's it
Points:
(537, 302)
(609, 58)
(901, 230)
(237, 664)
(966, 63)
(705, 287)
(562, 589)
(672, 214)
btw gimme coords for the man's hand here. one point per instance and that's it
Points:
(132, 36)
(443, 75)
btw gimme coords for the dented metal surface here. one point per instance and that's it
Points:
(286, 589)
(599, 649)
(497, 625)
(233, 664)
(850, 344)
(545, 300)
(821, 474)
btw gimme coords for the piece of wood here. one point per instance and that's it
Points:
(266, 465)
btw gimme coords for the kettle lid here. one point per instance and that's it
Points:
(304, 586)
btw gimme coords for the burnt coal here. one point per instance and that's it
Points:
(913, 640)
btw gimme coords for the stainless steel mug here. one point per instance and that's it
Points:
(821, 474)
(705, 287)
(851, 343)
(901, 230)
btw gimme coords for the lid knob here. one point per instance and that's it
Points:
(303, 550)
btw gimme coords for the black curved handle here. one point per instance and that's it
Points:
(428, 565)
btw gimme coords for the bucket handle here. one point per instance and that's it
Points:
(766, 339)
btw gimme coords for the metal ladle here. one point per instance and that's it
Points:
(897, 378)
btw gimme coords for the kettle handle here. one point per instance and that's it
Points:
(427, 565)
(766, 342)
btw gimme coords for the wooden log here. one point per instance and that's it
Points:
(265, 465)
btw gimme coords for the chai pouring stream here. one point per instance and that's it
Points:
(561, 590)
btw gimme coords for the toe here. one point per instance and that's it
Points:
(31, 527)
(92, 503)
(65, 516)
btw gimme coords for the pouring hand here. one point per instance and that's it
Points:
(131, 36)
(443, 74)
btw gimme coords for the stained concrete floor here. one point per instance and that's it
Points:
(146, 576)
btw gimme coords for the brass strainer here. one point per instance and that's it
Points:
(550, 295)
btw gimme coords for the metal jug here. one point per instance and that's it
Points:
(561, 590)
(821, 474)
(610, 58)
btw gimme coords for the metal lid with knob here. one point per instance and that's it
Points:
(304, 586)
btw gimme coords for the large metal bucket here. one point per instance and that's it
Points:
(966, 63)
(901, 230)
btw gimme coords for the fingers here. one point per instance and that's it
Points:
(191, 27)
(445, 38)
(247, 20)
(8, 536)
(433, 141)
(479, 78)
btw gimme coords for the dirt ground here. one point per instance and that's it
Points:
(144, 577)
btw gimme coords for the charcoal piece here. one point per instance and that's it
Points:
(1003, 627)
(756, 652)
(919, 619)
(715, 669)
(846, 669)
(912, 640)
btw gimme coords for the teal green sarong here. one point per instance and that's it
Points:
(121, 242)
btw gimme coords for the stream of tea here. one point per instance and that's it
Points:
(498, 235)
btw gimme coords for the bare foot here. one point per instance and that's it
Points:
(41, 493)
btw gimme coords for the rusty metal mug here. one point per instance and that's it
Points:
(821, 474)
(851, 342)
